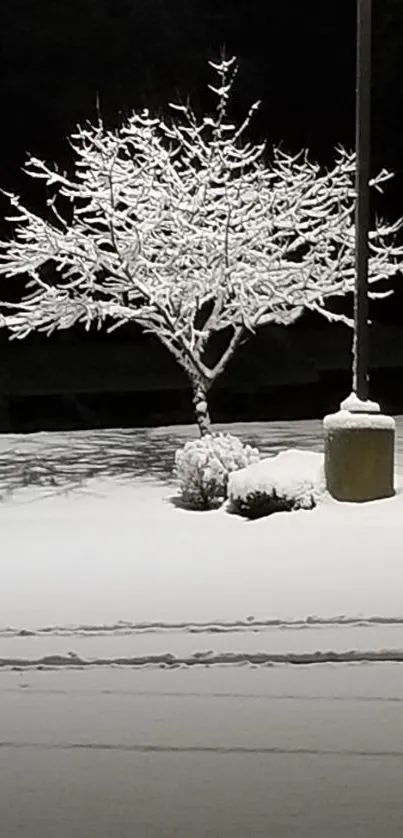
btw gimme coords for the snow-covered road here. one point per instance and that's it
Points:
(285, 752)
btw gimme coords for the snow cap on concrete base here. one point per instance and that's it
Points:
(356, 405)
(345, 420)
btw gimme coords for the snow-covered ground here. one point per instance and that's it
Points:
(101, 565)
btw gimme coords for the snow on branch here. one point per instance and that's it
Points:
(187, 227)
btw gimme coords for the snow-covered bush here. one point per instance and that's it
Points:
(292, 480)
(203, 467)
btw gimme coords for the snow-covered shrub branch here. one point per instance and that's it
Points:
(203, 467)
(189, 229)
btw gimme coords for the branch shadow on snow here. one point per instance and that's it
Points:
(69, 460)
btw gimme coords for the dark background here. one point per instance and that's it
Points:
(298, 57)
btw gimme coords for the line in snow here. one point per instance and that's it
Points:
(170, 661)
(249, 624)
(198, 749)
(221, 696)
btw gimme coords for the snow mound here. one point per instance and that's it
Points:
(292, 480)
(353, 404)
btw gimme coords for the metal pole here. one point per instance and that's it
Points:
(362, 218)
(359, 455)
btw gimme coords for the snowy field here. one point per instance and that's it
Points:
(100, 566)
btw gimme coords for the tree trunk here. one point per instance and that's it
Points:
(200, 406)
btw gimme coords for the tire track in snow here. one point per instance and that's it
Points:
(170, 661)
(250, 624)
(200, 749)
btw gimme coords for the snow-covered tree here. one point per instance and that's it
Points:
(191, 230)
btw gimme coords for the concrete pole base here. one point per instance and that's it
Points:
(359, 456)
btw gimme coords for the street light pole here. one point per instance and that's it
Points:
(362, 218)
(359, 440)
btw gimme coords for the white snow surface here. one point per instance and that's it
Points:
(115, 553)
(112, 558)
(293, 475)
(344, 420)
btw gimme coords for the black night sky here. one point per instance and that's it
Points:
(296, 56)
